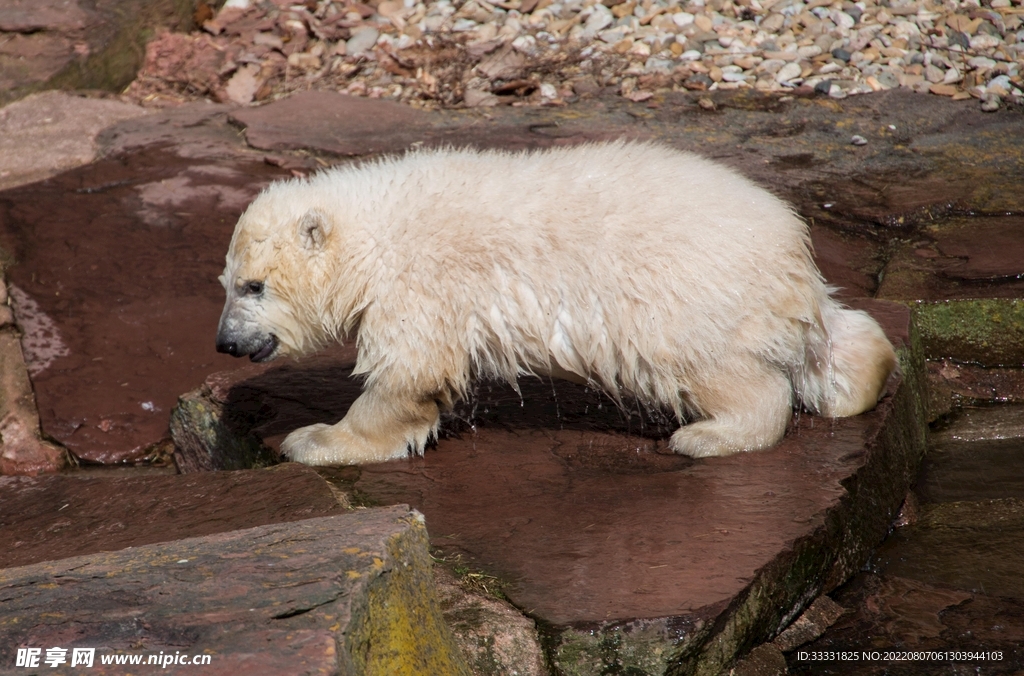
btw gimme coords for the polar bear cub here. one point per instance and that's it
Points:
(629, 266)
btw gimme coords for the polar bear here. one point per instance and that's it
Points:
(632, 267)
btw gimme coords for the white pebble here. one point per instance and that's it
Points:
(789, 72)
(362, 39)
(682, 19)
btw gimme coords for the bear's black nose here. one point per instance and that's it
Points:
(230, 347)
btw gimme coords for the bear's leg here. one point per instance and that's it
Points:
(743, 412)
(378, 426)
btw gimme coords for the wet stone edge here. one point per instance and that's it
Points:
(815, 565)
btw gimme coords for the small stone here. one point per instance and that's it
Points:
(984, 41)
(963, 24)
(586, 86)
(1001, 82)
(981, 62)
(698, 82)
(682, 19)
(943, 89)
(241, 88)
(821, 615)
(598, 21)
(842, 19)
(788, 73)
(362, 39)
(656, 65)
(304, 61)
(990, 103)
(841, 54)
(526, 44)
(641, 49)
(622, 46)
(888, 80)
(773, 22)
(858, 140)
(639, 95)
(464, 25)
(933, 74)
(479, 98)
(268, 39)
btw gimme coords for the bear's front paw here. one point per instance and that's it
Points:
(335, 445)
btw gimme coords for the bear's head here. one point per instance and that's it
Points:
(276, 277)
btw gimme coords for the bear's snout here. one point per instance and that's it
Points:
(259, 348)
(227, 346)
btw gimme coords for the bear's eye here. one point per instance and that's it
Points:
(254, 288)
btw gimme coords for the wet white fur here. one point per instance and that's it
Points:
(634, 267)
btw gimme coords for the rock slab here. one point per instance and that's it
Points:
(349, 594)
(606, 539)
(56, 517)
(23, 450)
(47, 133)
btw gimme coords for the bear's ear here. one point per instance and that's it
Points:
(314, 228)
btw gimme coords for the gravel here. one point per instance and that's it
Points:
(549, 52)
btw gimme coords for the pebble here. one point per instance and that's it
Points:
(838, 48)
(362, 39)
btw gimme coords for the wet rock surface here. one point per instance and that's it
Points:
(23, 449)
(61, 128)
(155, 221)
(553, 490)
(134, 242)
(55, 517)
(948, 579)
(350, 593)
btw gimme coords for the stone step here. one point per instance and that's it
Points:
(85, 512)
(350, 593)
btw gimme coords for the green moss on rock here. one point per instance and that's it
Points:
(985, 331)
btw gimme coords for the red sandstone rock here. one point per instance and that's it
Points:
(22, 448)
(55, 517)
(131, 286)
(332, 122)
(342, 594)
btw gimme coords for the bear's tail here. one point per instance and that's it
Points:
(847, 364)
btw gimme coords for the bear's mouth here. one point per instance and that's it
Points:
(265, 352)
